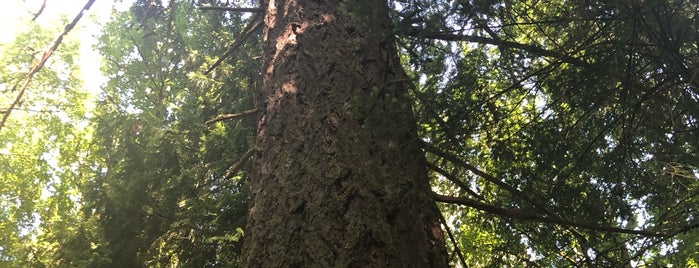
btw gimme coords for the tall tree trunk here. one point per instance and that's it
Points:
(339, 179)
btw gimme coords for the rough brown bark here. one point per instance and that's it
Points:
(339, 179)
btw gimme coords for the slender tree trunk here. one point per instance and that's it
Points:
(339, 179)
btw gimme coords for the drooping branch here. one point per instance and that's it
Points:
(516, 214)
(421, 33)
(524, 216)
(254, 25)
(538, 206)
(40, 64)
(232, 116)
(454, 159)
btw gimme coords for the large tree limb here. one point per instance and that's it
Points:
(524, 216)
(40, 64)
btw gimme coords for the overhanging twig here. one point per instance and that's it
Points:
(455, 180)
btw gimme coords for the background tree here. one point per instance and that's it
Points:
(164, 194)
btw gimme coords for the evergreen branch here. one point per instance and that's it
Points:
(520, 215)
(233, 9)
(420, 33)
(454, 159)
(538, 206)
(37, 66)
(254, 25)
(516, 214)
(231, 116)
(236, 167)
(663, 239)
(542, 22)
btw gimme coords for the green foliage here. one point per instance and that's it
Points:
(42, 149)
(582, 112)
(597, 138)
(160, 195)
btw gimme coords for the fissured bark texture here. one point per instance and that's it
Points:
(339, 178)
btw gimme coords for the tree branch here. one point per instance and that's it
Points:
(41, 10)
(455, 180)
(254, 25)
(233, 9)
(37, 66)
(234, 169)
(454, 159)
(453, 240)
(520, 215)
(231, 116)
(421, 33)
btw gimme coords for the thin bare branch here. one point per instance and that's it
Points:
(455, 180)
(453, 240)
(234, 169)
(231, 116)
(41, 10)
